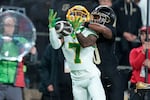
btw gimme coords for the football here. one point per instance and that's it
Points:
(63, 28)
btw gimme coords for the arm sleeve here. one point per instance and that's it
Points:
(113, 30)
(54, 39)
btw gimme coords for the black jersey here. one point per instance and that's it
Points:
(106, 49)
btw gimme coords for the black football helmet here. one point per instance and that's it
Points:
(103, 15)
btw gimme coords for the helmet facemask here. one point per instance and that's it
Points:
(100, 18)
(103, 15)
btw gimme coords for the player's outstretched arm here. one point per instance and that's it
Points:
(53, 36)
(101, 29)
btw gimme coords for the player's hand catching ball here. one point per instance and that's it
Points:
(77, 25)
(52, 18)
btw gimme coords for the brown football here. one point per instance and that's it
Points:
(64, 28)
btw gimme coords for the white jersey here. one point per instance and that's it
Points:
(85, 75)
(78, 58)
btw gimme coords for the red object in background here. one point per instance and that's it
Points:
(143, 29)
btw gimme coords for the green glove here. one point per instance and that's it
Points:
(52, 18)
(77, 25)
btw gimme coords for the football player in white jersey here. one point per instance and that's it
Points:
(78, 48)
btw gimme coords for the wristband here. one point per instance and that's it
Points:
(86, 24)
(79, 30)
